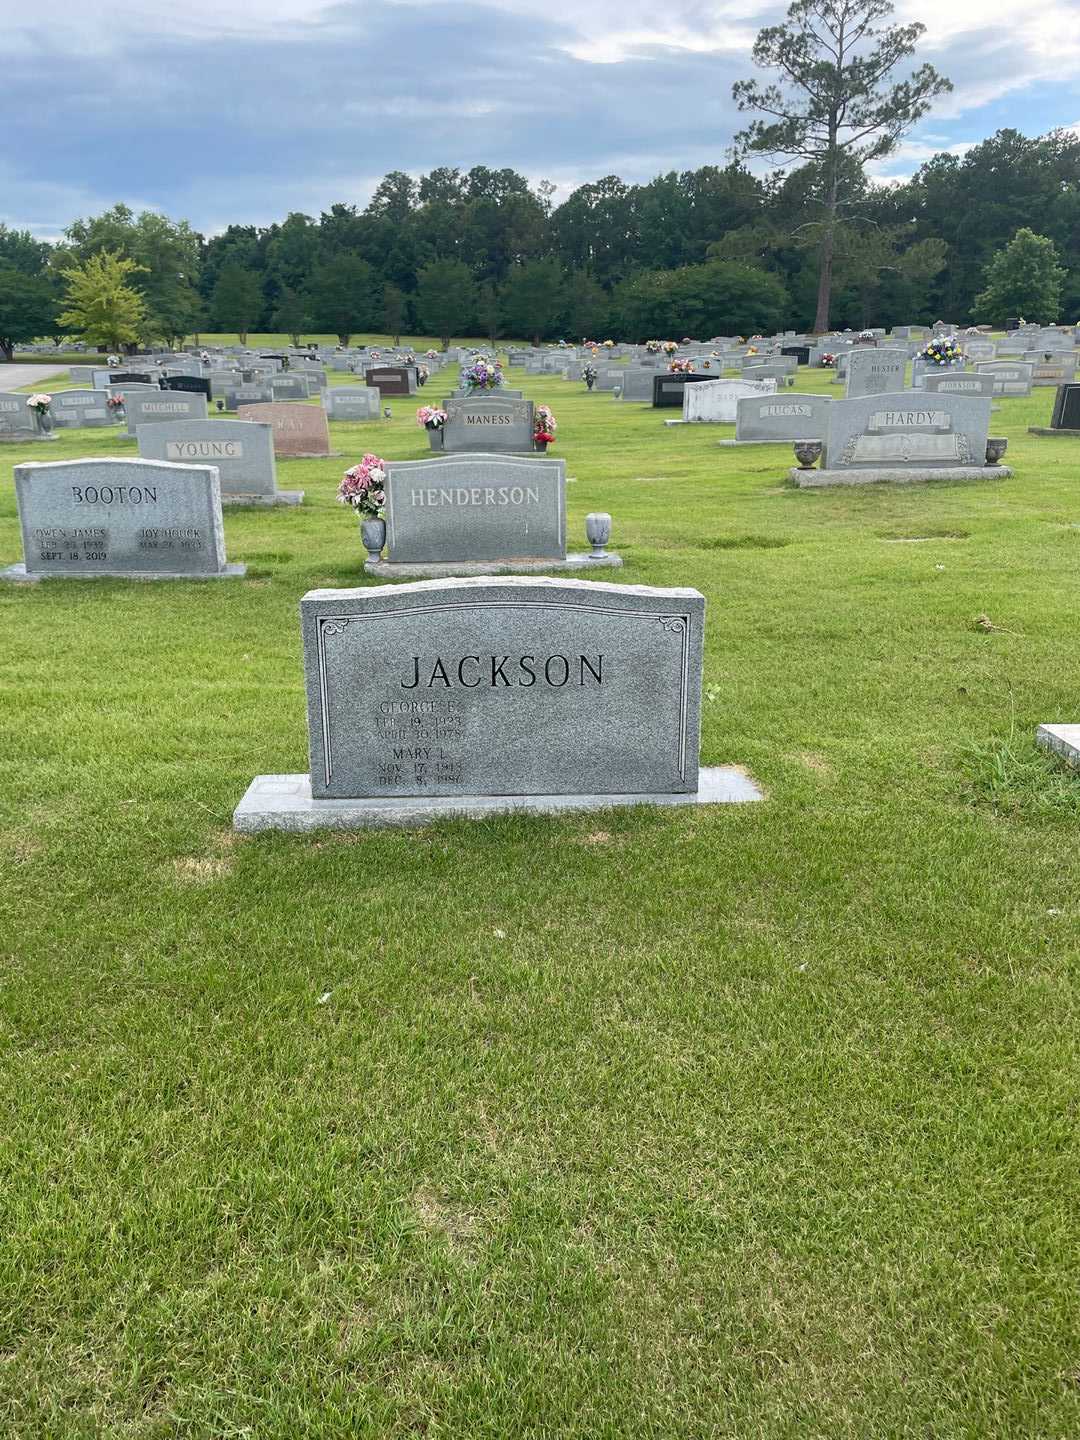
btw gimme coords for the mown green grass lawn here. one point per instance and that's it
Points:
(752, 1121)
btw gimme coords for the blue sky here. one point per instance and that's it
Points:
(242, 110)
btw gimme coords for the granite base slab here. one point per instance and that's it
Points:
(448, 569)
(284, 802)
(312, 455)
(279, 497)
(16, 575)
(741, 443)
(1063, 740)
(896, 475)
(1045, 430)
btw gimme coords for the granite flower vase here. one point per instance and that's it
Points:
(807, 452)
(435, 437)
(373, 535)
(598, 531)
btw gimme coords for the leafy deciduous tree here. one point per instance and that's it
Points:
(99, 303)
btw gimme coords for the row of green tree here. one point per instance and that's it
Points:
(704, 252)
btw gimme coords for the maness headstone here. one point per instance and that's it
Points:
(488, 423)
(478, 507)
(503, 687)
(872, 371)
(392, 379)
(79, 409)
(243, 453)
(152, 407)
(121, 517)
(787, 416)
(300, 431)
(901, 429)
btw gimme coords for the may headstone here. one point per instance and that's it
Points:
(242, 452)
(132, 518)
(300, 431)
(476, 696)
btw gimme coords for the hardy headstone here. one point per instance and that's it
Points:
(902, 430)
(134, 518)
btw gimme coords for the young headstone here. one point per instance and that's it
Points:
(300, 431)
(475, 696)
(243, 454)
(154, 407)
(137, 519)
(716, 402)
(875, 371)
(352, 402)
(17, 420)
(902, 437)
(772, 419)
(489, 423)
(1011, 377)
(79, 409)
(393, 379)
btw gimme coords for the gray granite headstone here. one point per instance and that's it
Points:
(80, 409)
(872, 371)
(242, 452)
(786, 416)
(476, 507)
(958, 384)
(121, 517)
(503, 687)
(1011, 377)
(489, 423)
(901, 429)
(352, 402)
(154, 407)
(17, 420)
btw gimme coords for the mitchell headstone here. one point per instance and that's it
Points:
(300, 431)
(154, 407)
(475, 696)
(138, 519)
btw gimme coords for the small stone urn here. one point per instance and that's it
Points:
(996, 446)
(598, 529)
(373, 534)
(44, 423)
(808, 453)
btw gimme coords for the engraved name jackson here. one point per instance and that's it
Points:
(494, 671)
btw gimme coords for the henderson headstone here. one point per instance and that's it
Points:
(154, 407)
(489, 423)
(242, 452)
(478, 514)
(300, 431)
(904, 437)
(474, 696)
(763, 420)
(136, 519)
(875, 372)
